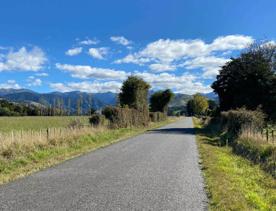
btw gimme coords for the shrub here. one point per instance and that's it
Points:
(109, 112)
(97, 120)
(126, 117)
(234, 121)
(157, 116)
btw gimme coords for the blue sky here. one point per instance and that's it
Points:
(94, 45)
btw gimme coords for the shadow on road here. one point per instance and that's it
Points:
(174, 131)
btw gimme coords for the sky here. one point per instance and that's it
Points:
(93, 46)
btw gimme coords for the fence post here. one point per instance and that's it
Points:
(12, 136)
(47, 131)
(267, 134)
(272, 133)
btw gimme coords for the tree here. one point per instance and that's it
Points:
(160, 100)
(134, 93)
(198, 105)
(249, 80)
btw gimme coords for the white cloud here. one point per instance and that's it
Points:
(231, 42)
(161, 67)
(88, 42)
(133, 58)
(93, 87)
(74, 51)
(85, 72)
(120, 40)
(42, 74)
(98, 53)
(209, 64)
(32, 81)
(167, 54)
(185, 83)
(23, 60)
(10, 84)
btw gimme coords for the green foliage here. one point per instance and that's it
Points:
(160, 100)
(134, 93)
(108, 112)
(16, 109)
(249, 81)
(198, 105)
(157, 116)
(97, 120)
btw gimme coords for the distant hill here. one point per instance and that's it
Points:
(70, 100)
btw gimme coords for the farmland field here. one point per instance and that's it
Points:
(38, 122)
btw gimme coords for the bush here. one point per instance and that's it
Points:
(126, 117)
(157, 116)
(234, 121)
(109, 112)
(97, 120)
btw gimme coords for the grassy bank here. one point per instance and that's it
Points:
(38, 122)
(32, 157)
(233, 182)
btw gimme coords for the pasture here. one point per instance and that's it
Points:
(36, 123)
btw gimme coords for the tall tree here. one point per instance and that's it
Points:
(198, 105)
(134, 93)
(160, 100)
(249, 80)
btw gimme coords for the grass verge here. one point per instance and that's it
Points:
(233, 182)
(38, 158)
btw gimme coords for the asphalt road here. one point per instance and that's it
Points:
(157, 170)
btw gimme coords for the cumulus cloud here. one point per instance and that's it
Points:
(23, 60)
(162, 67)
(85, 72)
(185, 83)
(88, 42)
(167, 54)
(98, 53)
(32, 81)
(92, 87)
(209, 64)
(74, 51)
(10, 84)
(230, 42)
(120, 40)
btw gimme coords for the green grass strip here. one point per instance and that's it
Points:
(233, 182)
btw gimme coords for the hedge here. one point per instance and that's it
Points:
(126, 117)
(234, 121)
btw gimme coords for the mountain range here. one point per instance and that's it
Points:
(71, 100)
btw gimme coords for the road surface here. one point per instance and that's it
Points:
(157, 170)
